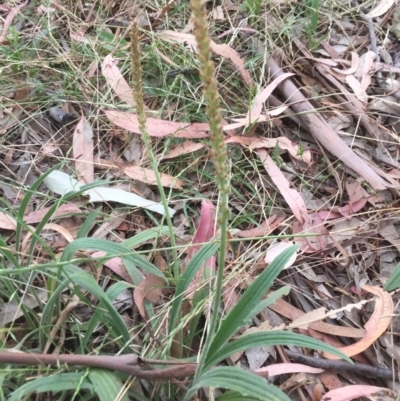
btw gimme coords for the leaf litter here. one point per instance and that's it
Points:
(313, 144)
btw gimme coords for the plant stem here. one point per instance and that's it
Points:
(138, 95)
(212, 100)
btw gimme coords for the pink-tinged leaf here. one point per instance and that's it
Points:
(11, 15)
(141, 174)
(292, 197)
(157, 127)
(262, 97)
(7, 222)
(183, 149)
(115, 265)
(380, 9)
(223, 50)
(83, 150)
(92, 69)
(264, 229)
(148, 176)
(376, 325)
(117, 82)
(229, 295)
(352, 392)
(287, 368)
(366, 78)
(151, 288)
(62, 211)
(79, 36)
(204, 233)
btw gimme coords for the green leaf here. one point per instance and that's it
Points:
(271, 338)
(187, 277)
(112, 249)
(88, 223)
(272, 298)
(56, 383)
(232, 378)
(252, 296)
(394, 280)
(235, 396)
(107, 385)
(112, 293)
(79, 278)
(146, 235)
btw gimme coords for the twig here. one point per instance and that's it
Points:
(129, 364)
(358, 368)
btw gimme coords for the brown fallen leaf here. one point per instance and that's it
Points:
(348, 393)
(8, 21)
(62, 211)
(7, 222)
(287, 368)
(376, 325)
(116, 81)
(323, 133)
(116, 265)
(83, 150)
(380, 9)
(157, 127)
(183, 149)
(151, 288)
(270, 143)
(263, 229)
(292, 197)
(291, 312)
(142, 174)
(223, 50)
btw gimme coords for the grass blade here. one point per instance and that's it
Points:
(239, 313)
(271, 338)
(187, 277)
(244, 382)
(107, 385)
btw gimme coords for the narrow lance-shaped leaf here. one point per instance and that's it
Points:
(237, 316)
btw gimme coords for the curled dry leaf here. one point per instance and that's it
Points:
(116, 265)
(11, 15)
(157, 127)
(151, 288)
(262, 97)
(223, 50)
(117, 82)
(376, 325)
(348, 393)
(380, 9)
(355, 61)
(83, 150)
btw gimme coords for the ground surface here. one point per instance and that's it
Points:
(309, 100)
